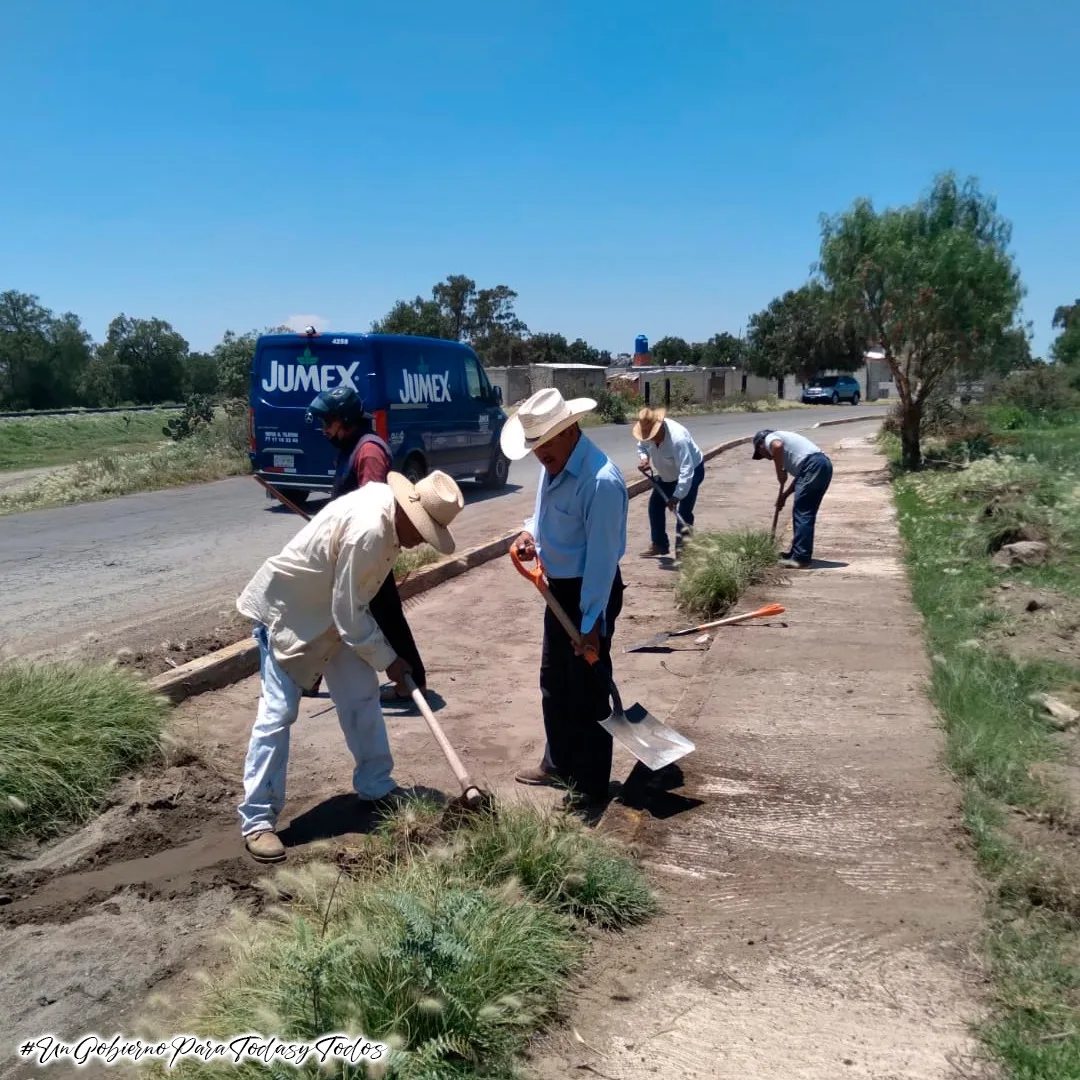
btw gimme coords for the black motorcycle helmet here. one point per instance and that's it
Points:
(342, 403)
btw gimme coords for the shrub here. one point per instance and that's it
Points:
(198, 412)
(451, 947)
(1041, 390)
(717, 568)
(611, 407)
(68, 732)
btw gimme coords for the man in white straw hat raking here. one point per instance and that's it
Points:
(578, 530)
(311, 608)
(679, 466)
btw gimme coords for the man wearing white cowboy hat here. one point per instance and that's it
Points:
(311, 608)
(578, 530)
(679, 465)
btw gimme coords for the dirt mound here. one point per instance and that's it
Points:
(1043, 624)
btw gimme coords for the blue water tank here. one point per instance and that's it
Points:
(641, 344)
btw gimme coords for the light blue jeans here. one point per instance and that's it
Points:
(354, 689)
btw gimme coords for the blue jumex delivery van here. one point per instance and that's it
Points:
(431, 401)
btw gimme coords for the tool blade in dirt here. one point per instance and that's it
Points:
(657, 640)
(652, 742)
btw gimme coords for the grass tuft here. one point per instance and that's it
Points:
(451, 947)
(717, 568)
(412, 559)
(68, 734)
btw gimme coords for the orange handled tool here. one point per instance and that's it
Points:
(539, 579)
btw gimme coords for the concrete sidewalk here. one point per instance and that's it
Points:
(819, 903)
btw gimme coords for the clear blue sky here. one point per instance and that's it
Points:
(231, 164)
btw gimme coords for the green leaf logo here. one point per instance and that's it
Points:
(422, 366)
(307, 358)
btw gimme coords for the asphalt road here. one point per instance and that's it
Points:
(168, 565)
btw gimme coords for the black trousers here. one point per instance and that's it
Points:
(388, 613)
(576, 695)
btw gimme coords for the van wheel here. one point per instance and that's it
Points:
(499, 472)
(415, 469)
(835, 398)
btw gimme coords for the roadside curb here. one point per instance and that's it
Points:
(850, 420)
(241, 659)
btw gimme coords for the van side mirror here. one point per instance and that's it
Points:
(497, 394)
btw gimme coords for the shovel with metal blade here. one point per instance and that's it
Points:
(658, 639)
(648, 474)
(653, 743)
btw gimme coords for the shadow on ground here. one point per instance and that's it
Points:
(344, 815)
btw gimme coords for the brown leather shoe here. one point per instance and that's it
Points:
(537, 778)
(265, 846)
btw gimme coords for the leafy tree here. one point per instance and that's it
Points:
(42, 358)
(201, 376)
(801, 333)
(1067, 316)
(233, 356)
(1066, 346)
(455, 297)
(544, 348)
(933, 284)
(148, 359)
(418, 317)
(580, 351)
(722, 350)
(672, 350)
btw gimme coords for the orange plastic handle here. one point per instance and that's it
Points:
(537, 578)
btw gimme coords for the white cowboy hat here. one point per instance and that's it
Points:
(431, 504)
(539, 419)
(648, 424)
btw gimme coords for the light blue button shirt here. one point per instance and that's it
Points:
(676, 458)
(579, 525)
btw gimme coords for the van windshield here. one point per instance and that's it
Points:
(290, 375)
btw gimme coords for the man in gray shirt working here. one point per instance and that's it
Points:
(810, 471)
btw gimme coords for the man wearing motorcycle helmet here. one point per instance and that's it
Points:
(364, 458)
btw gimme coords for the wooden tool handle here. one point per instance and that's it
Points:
(291, 505)
(537, 577)
(444, 743)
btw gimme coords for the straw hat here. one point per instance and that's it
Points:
(539, 419)
(648, 424)
(431, 505)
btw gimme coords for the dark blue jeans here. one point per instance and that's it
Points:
(658, 509)
(810, 487)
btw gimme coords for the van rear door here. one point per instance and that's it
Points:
(288, 372)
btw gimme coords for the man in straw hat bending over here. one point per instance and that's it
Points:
(578, 530)
(311, 608)
(679, 466)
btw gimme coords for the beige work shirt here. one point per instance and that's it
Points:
(314, 596)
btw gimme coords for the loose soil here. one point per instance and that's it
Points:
(819, 903)
(1042, 624)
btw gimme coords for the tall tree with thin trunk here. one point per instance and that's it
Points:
(933, 284)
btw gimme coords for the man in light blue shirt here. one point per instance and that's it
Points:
(810, 471)
(679, 467)
(578, 530)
